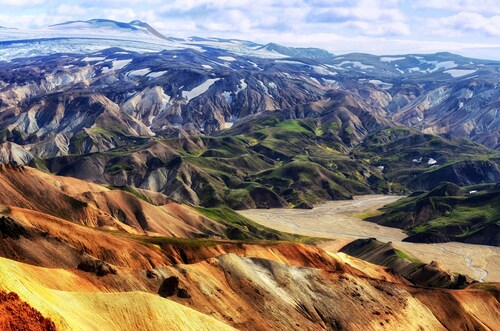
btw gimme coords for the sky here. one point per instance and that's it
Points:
(466, 27)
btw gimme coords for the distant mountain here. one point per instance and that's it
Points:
(74, 36)
(299, 125)
(309, 53)
(108, 26)
(149, 28)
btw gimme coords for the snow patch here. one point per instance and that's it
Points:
(323, 71)
(289, 62)
(380, 84)
(139, 72)
(445, 65)
(415, 69)
(116, 65)
(391, 59)
(265, 88)
(243, 85)
(199, 90)
(157, 74)
(255, 65)
(315, 80)
(356, 64)
(226, 58)
(460, 72)
(206, 66)
(228, 97)
(439, 65)
(330, 82)
(93, 59)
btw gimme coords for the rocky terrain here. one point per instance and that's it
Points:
(205, 85)
(18, 315)
(187, 283)
(232, 123)
(124, 152)
(430, 275)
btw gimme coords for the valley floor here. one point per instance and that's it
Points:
(341, 220)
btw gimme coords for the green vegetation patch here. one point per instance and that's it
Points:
(242, 228)
(405, 256)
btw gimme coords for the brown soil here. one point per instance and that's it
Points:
(219, 285)
(17, 315)
(97, 206)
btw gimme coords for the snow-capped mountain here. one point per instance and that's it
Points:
(75, 37)
(157, 85)
(107, 28)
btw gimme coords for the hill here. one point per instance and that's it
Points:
(384, 254)
(279, 160)
(447, 213)
(124, 209)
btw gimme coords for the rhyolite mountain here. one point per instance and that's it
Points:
(138, 258)
(146, 119)
(231, 122)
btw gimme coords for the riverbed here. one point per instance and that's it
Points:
(341, 220)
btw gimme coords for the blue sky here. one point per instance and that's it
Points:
(469, 27)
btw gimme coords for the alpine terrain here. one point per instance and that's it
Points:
(150, 182)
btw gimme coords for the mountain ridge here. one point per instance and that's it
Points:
(134, 25)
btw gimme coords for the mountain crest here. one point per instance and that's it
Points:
(307, 52)
(98, 23)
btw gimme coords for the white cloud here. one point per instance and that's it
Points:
(475, 6)
(465, 23)
(22, 3)
(71, 10)
(23, 21)
(375, 17)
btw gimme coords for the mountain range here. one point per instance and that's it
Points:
(125, 153)
(144, 119)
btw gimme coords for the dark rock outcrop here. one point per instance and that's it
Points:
(9, 228)
(99, 267)
(170, 287)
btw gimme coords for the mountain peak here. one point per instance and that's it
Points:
(99, 23)
(302, 52)
(96, 23)
(138, 22)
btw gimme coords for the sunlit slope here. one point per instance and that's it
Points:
(87, 309)
(124, 209)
